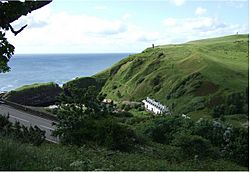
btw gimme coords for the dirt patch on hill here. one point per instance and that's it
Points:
(206, 88)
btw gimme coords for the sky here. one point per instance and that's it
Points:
(117, 26)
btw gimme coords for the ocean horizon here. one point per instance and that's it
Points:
(59, 68)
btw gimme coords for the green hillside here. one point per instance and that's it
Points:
(187, 77)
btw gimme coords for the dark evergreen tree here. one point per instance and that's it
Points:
(11, 11)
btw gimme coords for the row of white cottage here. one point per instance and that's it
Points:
(155, 107)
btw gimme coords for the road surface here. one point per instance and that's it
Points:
(29, 120)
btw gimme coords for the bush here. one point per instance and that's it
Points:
(127, 107)
(233, 142)
(141, 108)
(238, 150)
(237, 100)
(4, 123)
(163, 130)
(218, 111)
(234, 103)
(192, 145)
(115, 136)
(123, 114)
(33, 135)
(105, 132)
(211, 130)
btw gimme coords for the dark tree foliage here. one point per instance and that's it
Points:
(33, 135)
(83, 118)
(234, 103)
(203, 138)
(78, 106)
(115, 136)
(9, 12)
(239, 147)
(6, 51)
(233, 142)
(192, 145)
(163, 130)
(86, 100)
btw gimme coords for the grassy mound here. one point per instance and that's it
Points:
(84, 82)
(42, 94)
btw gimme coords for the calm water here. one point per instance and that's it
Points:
(59, 68)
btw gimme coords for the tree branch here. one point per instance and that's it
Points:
(18, 31)
(11, 13)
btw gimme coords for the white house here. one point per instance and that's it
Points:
(155, 107)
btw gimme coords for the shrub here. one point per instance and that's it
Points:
(218, 111)
(211, 130)
(141, 108)
(105, 132)
(123, 114)
(162, 130)
(122, 106)
(127, 107)
(33, 135)
(234, 103)
(237, 100)
(4, 122)
(115, 136)
(238, 149)
(192, 145)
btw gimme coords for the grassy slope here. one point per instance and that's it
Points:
(206, 68)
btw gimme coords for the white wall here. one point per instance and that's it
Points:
(152, 108)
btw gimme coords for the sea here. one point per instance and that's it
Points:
(59, 68)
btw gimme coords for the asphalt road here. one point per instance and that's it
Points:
(29, 120)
